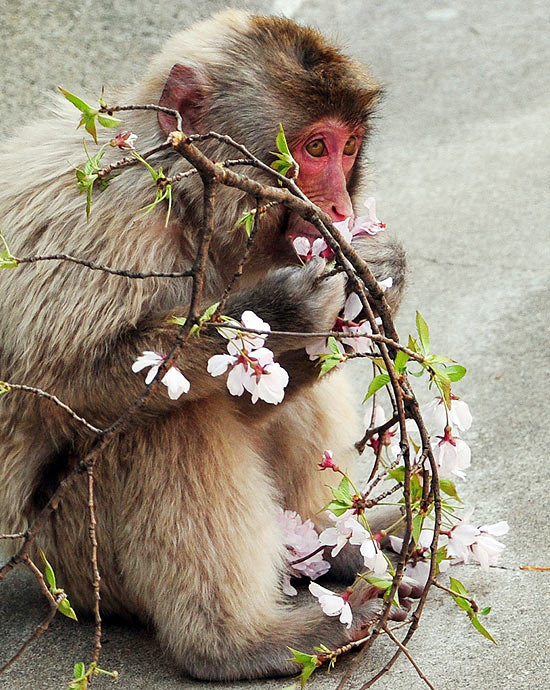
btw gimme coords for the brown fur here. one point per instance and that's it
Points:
(187, 496)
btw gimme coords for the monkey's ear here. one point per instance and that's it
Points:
(182, 92)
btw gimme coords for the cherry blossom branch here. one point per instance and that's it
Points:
(409, 656)
(96, 577)
(138, 275)
(54, 603)
(38, 392)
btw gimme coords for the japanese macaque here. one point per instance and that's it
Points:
(187, 495)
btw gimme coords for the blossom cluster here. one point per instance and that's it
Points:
(251, 365)
(173, 379)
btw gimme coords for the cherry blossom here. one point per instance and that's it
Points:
(301, 539)
(435, 414)
(333, 604)
(173, 379)
(327, 462)
(307, 249)
(452, 456)
(124, 140)
(347, 528)
(467, 542)
(251, 366)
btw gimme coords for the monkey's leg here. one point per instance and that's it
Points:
(204, 564)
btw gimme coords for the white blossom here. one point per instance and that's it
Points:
(267, 380)
(435, 414)
(452, 456)
(348, 528)
(173, 379)
(308, 249)
(333, 604)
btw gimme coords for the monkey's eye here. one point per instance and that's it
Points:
(351, 146)
(316, 148)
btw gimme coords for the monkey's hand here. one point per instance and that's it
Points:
(295, 298)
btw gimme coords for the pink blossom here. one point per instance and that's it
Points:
(301, 539)
(435, 414)
(469, 543)
(307, 249)
(173, 379)
(124, 140)
(327, 462)
(452, 456)
(333, 604)
(347, 528)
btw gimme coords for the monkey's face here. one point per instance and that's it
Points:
(326, 153)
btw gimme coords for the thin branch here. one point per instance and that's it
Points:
(138, 275)
(409, 656)
(96, 578)
(39, 393)
(20, 535)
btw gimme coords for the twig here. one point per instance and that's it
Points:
(48, 396)
(138, 275)
(96, 578)
(409, 656)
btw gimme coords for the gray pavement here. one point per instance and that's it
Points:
(461, 171)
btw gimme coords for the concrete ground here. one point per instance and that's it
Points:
(461, 171)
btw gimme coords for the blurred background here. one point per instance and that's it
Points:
(460, 168)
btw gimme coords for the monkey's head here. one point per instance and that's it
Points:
(242, 75)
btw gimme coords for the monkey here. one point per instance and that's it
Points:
(187, 493)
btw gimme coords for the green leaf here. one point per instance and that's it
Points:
(376, 384)
(247, 221)
(108, 120)
(413, 345)
(66, 609)
(178, 320)
(76, 101)
(343, 492)
(443, 382)
(455, 372)
(401, 360)
(7, 260)
(309, 662)
(48, 572)
(486, 611)
(281, 142)
(448, 487)
(439, 359)
(423, 333)
(458, 587)
(4, 388)
(418, 521)
(337, 508)
(79, 670)
(480, 628)
(332, 344)
(208, 312)
(328, 363)
(397, 473)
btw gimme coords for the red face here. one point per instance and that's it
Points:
(326, 154)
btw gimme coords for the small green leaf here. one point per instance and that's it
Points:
(418, 521)
(376, 384)
(423, 333)
(443, 382)
(343, 492)
(455, 372)
(281, 142)
(76, 101)
(401, 360)
(309, 662)
(4, 388)
(66, 609)
(486, 611)
(397, 473)
(413, 345)
(247, 221)
(337, 508)
(458, 587)
(208, 312)
(332, 344)
(328, 363)
(178, 320)
(449, 487)
(108, 120)
(480, 628)
(48, 572)
(79, 670)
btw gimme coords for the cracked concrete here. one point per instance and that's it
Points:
(461, 171)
